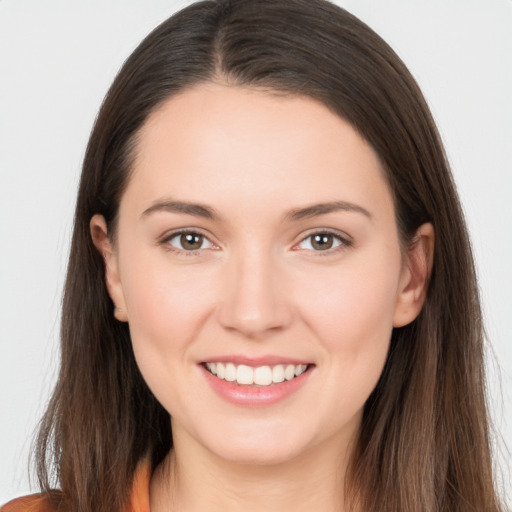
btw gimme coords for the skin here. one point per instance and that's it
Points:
(256, 287)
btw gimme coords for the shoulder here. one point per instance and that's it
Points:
(53, 501)
(33, 503)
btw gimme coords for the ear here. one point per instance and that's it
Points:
(101, 241)
(416, 271)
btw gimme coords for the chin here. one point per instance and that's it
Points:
(269, 454)
(259, 444)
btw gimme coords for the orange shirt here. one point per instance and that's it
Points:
(138, 502)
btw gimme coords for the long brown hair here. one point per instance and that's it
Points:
(424, 443)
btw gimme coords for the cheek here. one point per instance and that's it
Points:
(167, 307)
(352, 303)
(351, 314)
(166, 304)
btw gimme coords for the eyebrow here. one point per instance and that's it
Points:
(201, 210)
(198, 210)
(324, 208)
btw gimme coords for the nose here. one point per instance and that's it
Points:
(254, 302)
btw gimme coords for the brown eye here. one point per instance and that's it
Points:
(322, 242)
(189, 241)
(319, 242)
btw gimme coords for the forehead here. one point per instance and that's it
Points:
(247, 147)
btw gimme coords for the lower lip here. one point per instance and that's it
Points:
(255, 395)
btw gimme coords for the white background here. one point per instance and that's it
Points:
(57, 59)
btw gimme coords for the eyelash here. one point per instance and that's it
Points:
(343, 242)
(167, 239)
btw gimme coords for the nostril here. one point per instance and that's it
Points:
(254, 319)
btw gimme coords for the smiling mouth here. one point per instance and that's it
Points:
(260, 376)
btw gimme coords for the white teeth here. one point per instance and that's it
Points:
(278, 373)
(300, 368)
(230, 372)
(289, 372)
(262, 375)
(244, 374)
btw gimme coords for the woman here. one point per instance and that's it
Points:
(271, 300)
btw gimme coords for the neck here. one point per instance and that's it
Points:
(192, 479)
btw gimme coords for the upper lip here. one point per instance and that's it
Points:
(268, 360)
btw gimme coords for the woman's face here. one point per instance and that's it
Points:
(257, 232)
